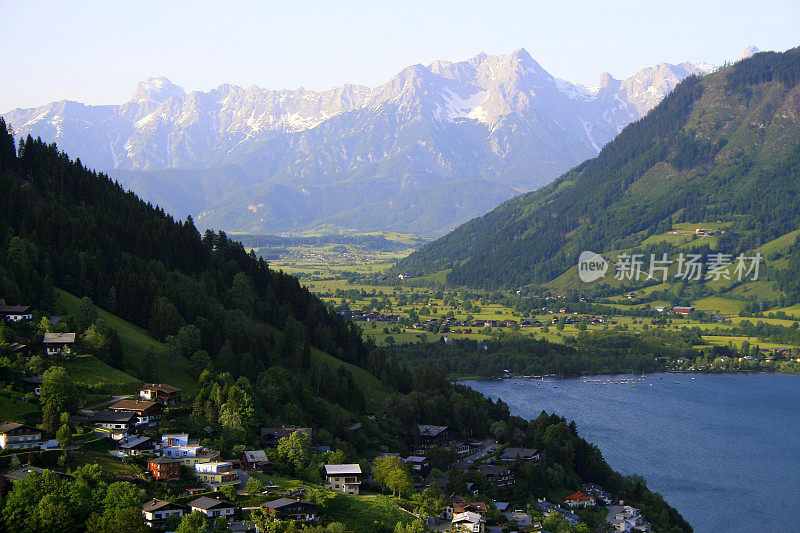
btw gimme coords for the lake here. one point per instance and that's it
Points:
(723, 449)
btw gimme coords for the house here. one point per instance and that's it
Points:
(156, 512)
(15, 313)
(256, 460)
(190, 454)
(148, 414)
(164, 468)
(343, 478)
(510, 455)
(116, 424)
(134, 445)
(160, 393)
(428, 436)
(58, 343)
(287, 509)
(471, 522)
(174, 439)
(457, 505)
(34, 384)
(498, 476)
(625, 519)
(216, 473)
(15, 436)
(271, 436)
(682, 310)
(579, 499)
(212, 507)
(419, 465)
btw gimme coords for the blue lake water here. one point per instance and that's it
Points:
(722, 449)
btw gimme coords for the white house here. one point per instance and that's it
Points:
(472, 522)
(156, 512)
(343, 478)
(211, 507)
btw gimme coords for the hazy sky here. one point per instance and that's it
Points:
(96, 51)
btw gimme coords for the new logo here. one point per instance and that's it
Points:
(591, 266)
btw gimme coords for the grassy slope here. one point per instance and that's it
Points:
(135, 342)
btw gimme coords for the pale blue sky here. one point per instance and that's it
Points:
(96, 51)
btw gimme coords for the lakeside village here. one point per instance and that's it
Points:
(241, 492)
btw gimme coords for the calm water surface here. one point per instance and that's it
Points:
(722, 449)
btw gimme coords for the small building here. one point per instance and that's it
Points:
(419, 465)
(134, 445)
(343, 478)
(287, 509)
(271, 436)
(256, 460)
(117, 424)
(161, 393)
(510, 455)
(34, 384)
(216, 473)
(682, 310)
(212, 507)
(148, 414)
(58, 343)
(14, 436)
(174, 439)
(15, 313)
(471, 522)
(498, 475)
(579, 499)
(191, 454)
(156, 512)
(164, 468)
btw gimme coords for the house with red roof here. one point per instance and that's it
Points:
(579, 499)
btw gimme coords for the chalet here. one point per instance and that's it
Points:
(34, 384)
(457, 505)
(148, 414)
(58, 343)
(510, 455)
(160, 393)
(285, 509)
(343, 478)
(134, 445)
(15, 313)
(579, 499)
(419, 465)
(498, 476)
(468, 522)
(216, 473)
(212, 507)
(682, 310)
(271, 436)
(164, 468)
(15, 436)
(114, 424)
(157, 512)
(428, 436)
(256, 460)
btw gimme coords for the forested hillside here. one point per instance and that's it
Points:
(724, 147)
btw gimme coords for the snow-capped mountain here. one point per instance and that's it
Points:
(432, 147)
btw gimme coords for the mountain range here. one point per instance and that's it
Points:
(722, 149)
(431, 148)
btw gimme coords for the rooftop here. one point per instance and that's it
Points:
(206, 503)
(333, 470)
(59, 338)
(431, 431)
